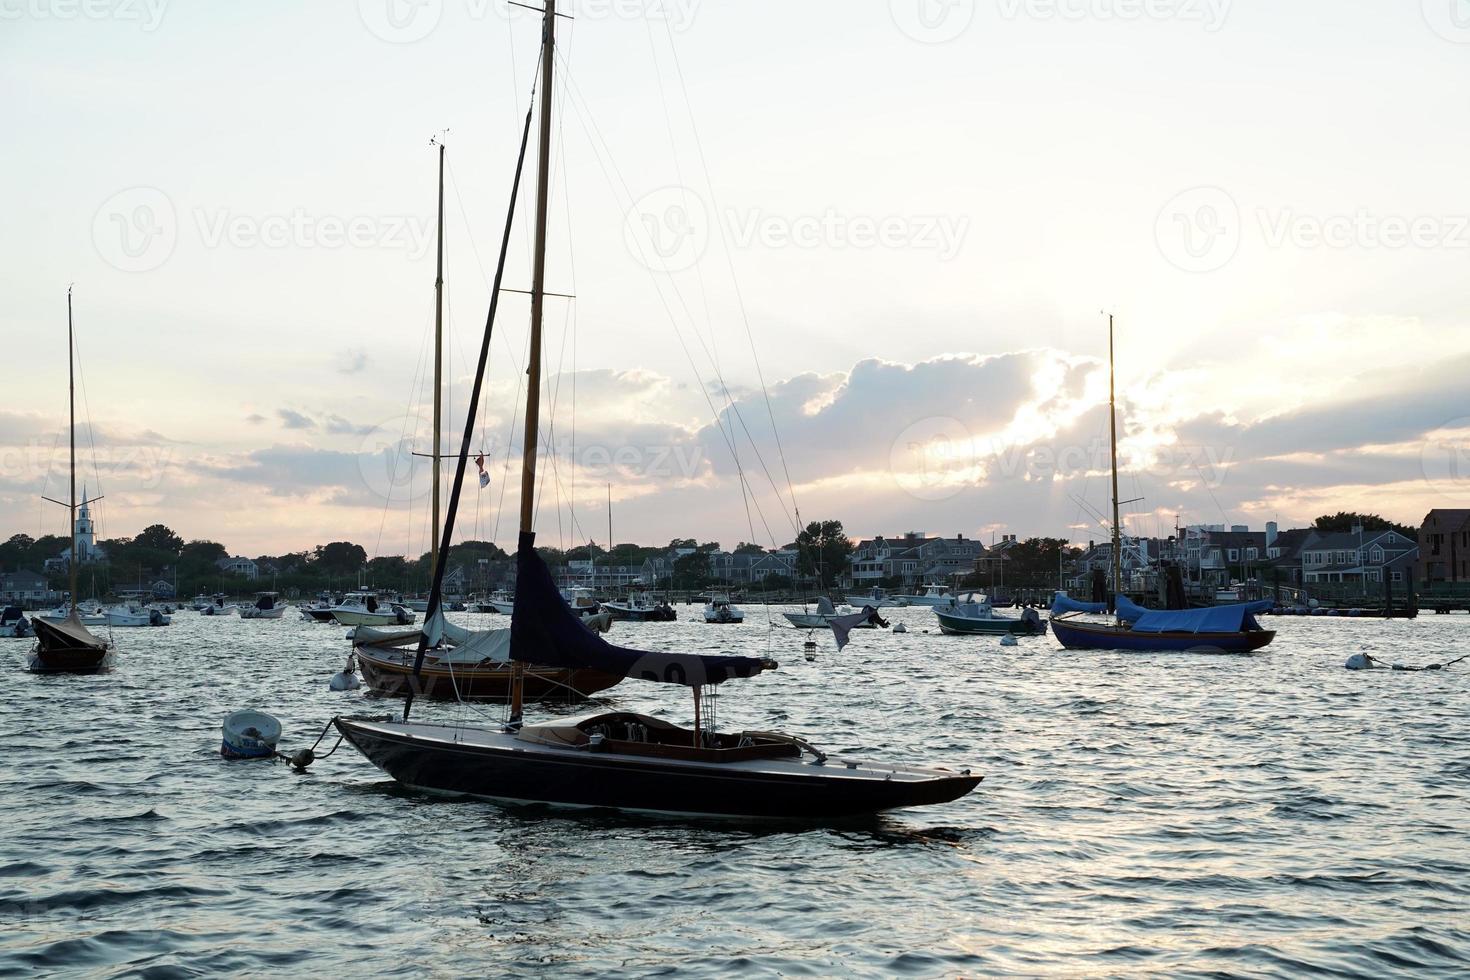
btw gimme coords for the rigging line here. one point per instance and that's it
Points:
(91, 436)
(719, 375)
(516, 359)
(413, 395)
(595, 137)
(730, 262)
(436, 589)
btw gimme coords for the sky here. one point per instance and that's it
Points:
(829, 260)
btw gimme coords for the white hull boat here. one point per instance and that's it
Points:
(721, 610)
(92, 617)
(133, 614)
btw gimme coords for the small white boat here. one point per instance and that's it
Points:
(498, 601)
(218, 607)
(13, 623)
(933, 595)
(267, 605)
(90, 615)
(364, 609)
(136, 614)
(200, 601)
(640, 607)
(824, 615)
(249, 734)
(721, 610)
(877, 598)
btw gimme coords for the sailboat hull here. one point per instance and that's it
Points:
(1077, 635)
(392, 675)
(498, 766)
(953, 625)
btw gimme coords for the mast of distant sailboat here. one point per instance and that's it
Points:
(1113, 429)
(71, 399)
(438, 357)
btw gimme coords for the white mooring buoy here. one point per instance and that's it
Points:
(1008, 640)
(347, 680)
(249, 734)
(900, 628)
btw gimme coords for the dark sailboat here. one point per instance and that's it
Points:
(67, 646)
(614, 759)
(1218, 629)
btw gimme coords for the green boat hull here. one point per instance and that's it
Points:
(999, 626)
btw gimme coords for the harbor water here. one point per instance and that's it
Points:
(1265, 815)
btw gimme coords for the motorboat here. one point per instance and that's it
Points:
(824, 615)
(979, 616)
(933, 595)
(267, 605)
(219, 607)
(135, 614)
(13, 623)
(200, 601)
(720, 609)
(1212, 629)
(877, 598)
(500, 601)
(89, 613)
(640, 607)
(364, 609)
(319, 611)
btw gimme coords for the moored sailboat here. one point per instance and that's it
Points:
(1217, 629)
(67, 646)
(615, 759)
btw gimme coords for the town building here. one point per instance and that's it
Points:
(243, 567)
(26, 589)
(912, 560)
(1358, 556)
(1444, 547)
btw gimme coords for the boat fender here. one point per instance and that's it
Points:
(1360, 661)
(900, 628)
(1008, 640)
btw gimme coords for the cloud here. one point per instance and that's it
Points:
(338, 426)
(295, 420)
(255, 418)
(353, 360)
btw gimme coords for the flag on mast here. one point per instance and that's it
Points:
(480, 465)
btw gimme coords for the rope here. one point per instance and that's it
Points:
(1405, 667)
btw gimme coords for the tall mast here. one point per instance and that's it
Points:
(71, 401)
(609, 536)
(1113, 427)
(538, 300)
(438, 357)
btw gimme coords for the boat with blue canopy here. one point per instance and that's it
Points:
(1212, 629)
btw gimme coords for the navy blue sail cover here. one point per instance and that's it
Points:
(544, 631)
(1063, 604)
(1211, 619)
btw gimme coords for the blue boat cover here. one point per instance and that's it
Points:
(1064, 603)
(1211, 619)
(544, 631)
